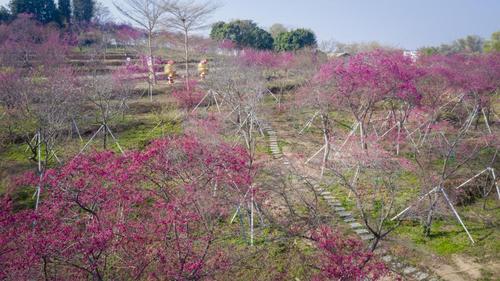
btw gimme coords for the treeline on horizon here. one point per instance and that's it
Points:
(241, 33)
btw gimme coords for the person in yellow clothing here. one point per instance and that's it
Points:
(170, 71)
(203, 68)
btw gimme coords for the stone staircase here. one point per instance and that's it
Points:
(395, 264)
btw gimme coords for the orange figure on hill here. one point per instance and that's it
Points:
(170, 71)
(203, 68)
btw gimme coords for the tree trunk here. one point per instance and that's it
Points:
(186, 57)
(105, 136)
(326, 139)
(104, 139)
(151, 68)
(430, 216)
(362, 136)
(374, 244)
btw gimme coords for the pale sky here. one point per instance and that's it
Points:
(400, 23)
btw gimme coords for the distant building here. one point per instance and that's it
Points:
(338, 55)
(411, 54)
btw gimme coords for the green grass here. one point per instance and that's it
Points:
(448, 237)
(139, 136)
(16, 152)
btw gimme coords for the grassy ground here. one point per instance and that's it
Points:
(143, 122)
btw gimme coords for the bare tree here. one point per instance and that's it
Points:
(109, 100)
(102, 15)
(40, 108)
(371, 178)
(185, 17)
(147, 14)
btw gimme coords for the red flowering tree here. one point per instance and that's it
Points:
(372, 178)
(345, 259)
(356, 87)
(274, 66)
(456, 91)
(149, 215)
(27, 43)
(189, 97)
(127, 36)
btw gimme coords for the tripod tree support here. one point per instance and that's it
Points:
(445, 195)
(105, 128)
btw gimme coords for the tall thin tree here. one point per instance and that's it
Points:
(185, 17)
(145, 13)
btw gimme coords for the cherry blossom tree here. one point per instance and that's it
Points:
(189, 97)
(150, 214)
(356, 87)
(345, 259)
(372, 179)
(456, 90)
(274, 66)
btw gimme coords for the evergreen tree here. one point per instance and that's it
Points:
(5, 15)
(245, 33)
(294, 40)
(43, 10)
(64, 7)
(493, 45)
(83, 10)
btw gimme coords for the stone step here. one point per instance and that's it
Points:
(326, 193)
(409, 270)
(334, 204)
(339, 209)
(387, 258)
(397, 265)
(421, 276)
(361, 231)
(345, 214)
(355, 225)
(367, 237)
(349, 219)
